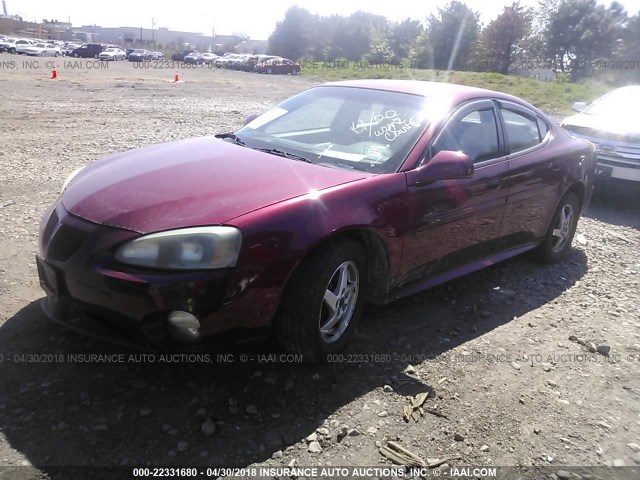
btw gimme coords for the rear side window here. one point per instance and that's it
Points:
(521, 130)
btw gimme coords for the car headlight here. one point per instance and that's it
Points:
(185, 249)
(70, 177)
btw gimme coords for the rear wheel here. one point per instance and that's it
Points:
(323, 302)
(558, 240)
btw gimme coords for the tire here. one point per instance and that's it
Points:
(558, 239)
(12, 51)
(302, 325)
(269, 71)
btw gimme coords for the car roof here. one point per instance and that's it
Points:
(456, 93)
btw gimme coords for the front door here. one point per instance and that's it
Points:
(452, 222)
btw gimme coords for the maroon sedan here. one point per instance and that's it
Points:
(351, 192)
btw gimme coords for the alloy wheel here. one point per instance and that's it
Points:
(339, 302)
(562, 230)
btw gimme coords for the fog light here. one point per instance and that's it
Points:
(184, 327)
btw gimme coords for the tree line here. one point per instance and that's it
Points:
(574, 38)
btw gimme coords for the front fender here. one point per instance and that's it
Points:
(277, 238)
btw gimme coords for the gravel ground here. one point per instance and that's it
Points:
(505, 352)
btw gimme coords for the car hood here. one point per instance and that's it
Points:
(201, 181)
(604, 123)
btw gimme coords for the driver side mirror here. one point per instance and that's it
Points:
(579, 106)
(445, 165)
(250, 118)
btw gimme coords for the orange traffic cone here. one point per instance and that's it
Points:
(176, 78)
(54, 74)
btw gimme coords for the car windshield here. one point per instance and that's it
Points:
(110, 50)
(41, 45)
(621, 100)
(138, 51)
(343, 127)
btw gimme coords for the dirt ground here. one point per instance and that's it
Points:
(493, 348)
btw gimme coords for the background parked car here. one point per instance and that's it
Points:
(22, 44)
(89, 50)
(113, 53)
(194, 58)
(605, 123)
(139, 55)
(244, 62)
(157, 55)
(68, 48)
(8, 45)
(278, 65)
(208, 58)
(227, 60)
(43, 50)
(179, 56)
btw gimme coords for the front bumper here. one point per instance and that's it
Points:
(607, 170)
(87, 291)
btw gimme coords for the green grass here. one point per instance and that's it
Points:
(554, 98)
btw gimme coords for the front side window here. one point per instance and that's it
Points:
(476, 135)
(343, 127)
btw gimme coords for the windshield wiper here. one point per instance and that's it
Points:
(282, 153)
(231, 136)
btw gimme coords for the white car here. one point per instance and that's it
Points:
(225, 60)
(42, 50)
(610, 124)
(208, 58)
(8, 45)
(157, 55)
(113, 53)
(22, 44)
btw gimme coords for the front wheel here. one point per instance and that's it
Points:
(558, 239)
(323, 302)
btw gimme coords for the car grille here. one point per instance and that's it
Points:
(65, 242)
(49, 229)
(616, 150)
(61, 237)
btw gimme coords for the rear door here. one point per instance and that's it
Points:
(534, 180)
(455, 222)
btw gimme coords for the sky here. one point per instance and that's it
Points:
(255, 18)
